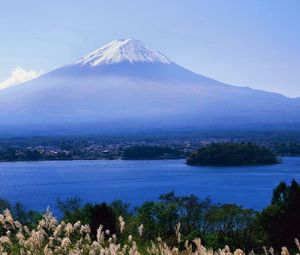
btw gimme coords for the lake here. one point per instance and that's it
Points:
(38, 184)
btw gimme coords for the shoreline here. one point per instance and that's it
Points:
(157, 159)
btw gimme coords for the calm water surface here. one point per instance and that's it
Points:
(39, 184)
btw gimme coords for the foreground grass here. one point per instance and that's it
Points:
(51, 237)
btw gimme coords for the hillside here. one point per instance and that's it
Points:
(232, 154)
(126, 85)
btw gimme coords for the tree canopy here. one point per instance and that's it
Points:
(232, 154)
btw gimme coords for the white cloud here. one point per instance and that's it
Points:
(19, 75)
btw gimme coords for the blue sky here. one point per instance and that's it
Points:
(252, 43)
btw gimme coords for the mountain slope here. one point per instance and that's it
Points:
(127, 82)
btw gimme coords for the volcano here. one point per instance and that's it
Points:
(126, 85)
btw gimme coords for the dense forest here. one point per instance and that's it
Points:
(232, 154)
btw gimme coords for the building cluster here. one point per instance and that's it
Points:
(96, 149)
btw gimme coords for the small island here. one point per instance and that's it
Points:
(232, 154)
(150, 152)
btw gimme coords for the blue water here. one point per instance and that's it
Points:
(39, 184)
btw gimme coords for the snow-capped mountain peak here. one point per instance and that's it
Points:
(123, 50)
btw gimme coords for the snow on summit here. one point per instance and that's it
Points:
(123, 50)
